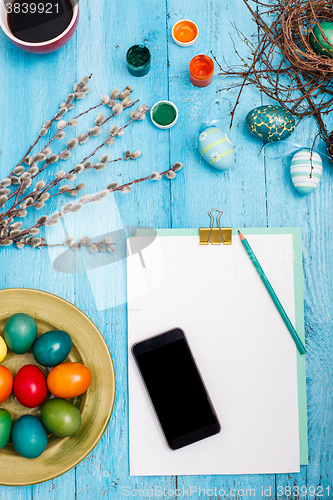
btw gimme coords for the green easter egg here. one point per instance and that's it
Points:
(318, 42)
(60, 417)
(5, 427)
(20, 333)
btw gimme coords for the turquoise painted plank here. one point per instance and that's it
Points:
(33, 88)
(285, 206)
(240, 192)
(106, 470)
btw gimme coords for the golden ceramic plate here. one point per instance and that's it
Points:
(96, 405)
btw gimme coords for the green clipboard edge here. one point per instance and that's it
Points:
(296, 233)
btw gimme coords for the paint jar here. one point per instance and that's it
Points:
(164, 114)
(138, 60)
(185, 33)
(201, 70)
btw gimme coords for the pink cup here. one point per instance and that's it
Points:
(42, 47)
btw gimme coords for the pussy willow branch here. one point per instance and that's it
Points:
(55, 182)
(39, 136)
(67, 125)
(76, 118)
(62, 153)
(26, 232)
(83, 138)
(119, 132)
(12, 212)
(45, 245)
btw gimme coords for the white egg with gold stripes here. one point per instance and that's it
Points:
(216, 148)
(306, 170)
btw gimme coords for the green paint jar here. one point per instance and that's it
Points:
(164, 114)
(138, 60)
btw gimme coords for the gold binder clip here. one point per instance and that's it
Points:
(215, 235)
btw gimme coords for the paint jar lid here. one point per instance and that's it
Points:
(185, 33)
(164, 114)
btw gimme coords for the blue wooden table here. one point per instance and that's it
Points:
(255, 192)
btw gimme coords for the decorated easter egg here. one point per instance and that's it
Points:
(216, 149)
(270, 123)
(5, 427)
(52, 348)
(306, 169)
(69, 380)
(60, 417)
(20, 333)
(29, 436)
(318, 42)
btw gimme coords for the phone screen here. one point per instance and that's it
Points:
(176, 389)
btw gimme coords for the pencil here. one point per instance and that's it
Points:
(274, 297)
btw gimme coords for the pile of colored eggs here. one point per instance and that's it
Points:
(65, 381)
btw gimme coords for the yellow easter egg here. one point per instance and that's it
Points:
(3, 349)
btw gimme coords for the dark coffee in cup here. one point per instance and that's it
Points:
(36, 21)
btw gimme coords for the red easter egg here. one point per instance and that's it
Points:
(30, 386)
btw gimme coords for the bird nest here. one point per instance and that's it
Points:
(284, 64)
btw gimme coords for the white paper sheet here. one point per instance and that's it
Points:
(242, 347)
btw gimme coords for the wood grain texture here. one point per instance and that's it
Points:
(255, 192)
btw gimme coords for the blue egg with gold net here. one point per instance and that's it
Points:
(270, 123)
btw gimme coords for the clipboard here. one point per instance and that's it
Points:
(296, 238)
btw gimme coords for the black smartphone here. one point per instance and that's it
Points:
(176, 389)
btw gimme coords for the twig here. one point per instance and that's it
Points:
(154, 176)
(284, 65)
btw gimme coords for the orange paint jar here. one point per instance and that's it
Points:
(201, 70)
(185, 33)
